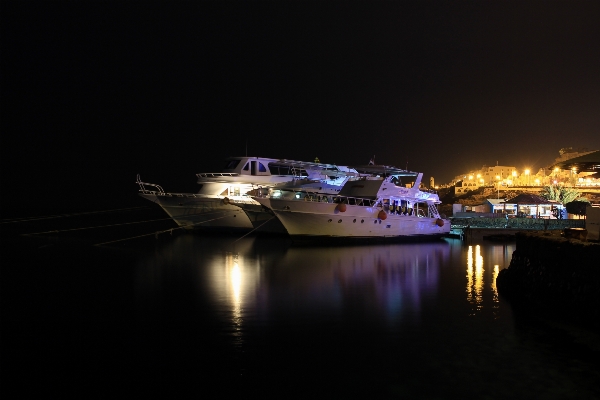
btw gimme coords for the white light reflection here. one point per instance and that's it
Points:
(234, 281)
(475, 278)
(478, 277)
(494, 289)
(470, 274)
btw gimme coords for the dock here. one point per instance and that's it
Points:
(481, 228)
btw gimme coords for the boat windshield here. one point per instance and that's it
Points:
(231, 164)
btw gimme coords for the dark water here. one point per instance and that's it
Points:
(214, 316)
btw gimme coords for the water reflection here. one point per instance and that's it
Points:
(384, 281)
(476, 276)
(267, 281)
(494, 289)
(392, 317)
(233, 276)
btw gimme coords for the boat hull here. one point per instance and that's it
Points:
(309, 220)
(202, 213)
(263, 220)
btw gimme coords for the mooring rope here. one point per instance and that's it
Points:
(135, 237)
(253, 230)
(99, 226)
(28, 219)
(106, 226)
(159, 232)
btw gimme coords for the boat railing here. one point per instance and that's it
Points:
(144, 184)
(216, 174)
(240, 200)
(166, 194)
(324, 198)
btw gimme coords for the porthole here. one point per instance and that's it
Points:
(339, 221)
(375, 221)
(362, 220)
(354, 220)
(329, 221)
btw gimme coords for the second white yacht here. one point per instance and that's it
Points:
(375, 208)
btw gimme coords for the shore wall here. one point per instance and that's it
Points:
(554, 275)
(517, 223)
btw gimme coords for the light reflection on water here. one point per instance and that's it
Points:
(400, 309)
(385, 282)
(476, 278)
(259, 282)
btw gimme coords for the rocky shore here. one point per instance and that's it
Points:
(554, 276)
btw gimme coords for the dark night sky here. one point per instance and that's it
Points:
(95, 92)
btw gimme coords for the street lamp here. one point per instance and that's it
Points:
(498, 186)
(527, 174)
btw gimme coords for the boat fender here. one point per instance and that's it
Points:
(382, 215)
(439, 222)
(341, 207)
(226, 200)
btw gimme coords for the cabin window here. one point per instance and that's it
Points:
(246, 167)
(232, 164)
(261, 168)
(279, 169)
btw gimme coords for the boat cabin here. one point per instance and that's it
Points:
(249, 166)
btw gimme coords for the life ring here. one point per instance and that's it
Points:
(341, 207)
(226, 200)
(439, 222)
(382, 215)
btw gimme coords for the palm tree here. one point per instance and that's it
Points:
(562, 194)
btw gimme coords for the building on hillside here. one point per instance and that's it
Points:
(486, 176)
(573, 167)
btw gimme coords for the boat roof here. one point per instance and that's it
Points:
(385, 170)
(290, 163)
(334, 169)
(305, 164)
(328, 169)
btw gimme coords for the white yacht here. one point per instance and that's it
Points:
(219, 201)
(376, 207)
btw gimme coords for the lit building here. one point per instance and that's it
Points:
(574, 167)
(486, 176)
